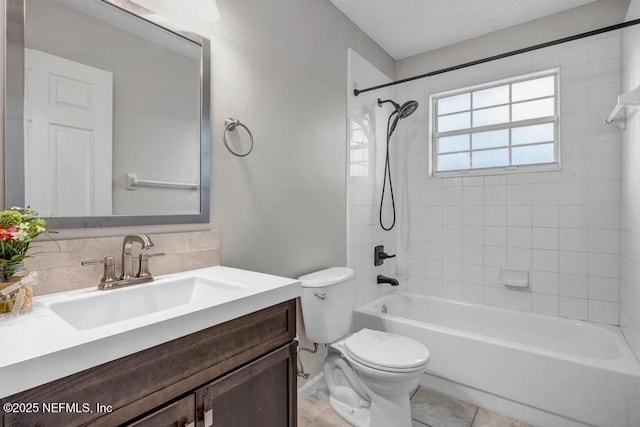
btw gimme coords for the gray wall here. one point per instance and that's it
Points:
(281, 67)
(600, 13)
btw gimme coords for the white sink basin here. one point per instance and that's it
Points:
(99, 308)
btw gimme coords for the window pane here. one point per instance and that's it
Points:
(532, 109)
(453, 143)
(491, 116)
(493, 96)
(494, 138)
(491, 158)
(532, 154)
(532, 134)
(454, 122)
(447, 162)
(451, 104)
(533, 89)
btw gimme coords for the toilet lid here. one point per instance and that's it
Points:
(386, 350)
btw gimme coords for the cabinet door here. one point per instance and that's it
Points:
(262, 393)
(177, 414)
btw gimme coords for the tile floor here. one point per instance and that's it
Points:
(429, 408)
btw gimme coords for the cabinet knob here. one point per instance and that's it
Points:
(208, 418)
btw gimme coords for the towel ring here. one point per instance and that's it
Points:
(230, 125)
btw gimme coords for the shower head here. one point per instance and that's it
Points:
(402, 111)
(407, 109)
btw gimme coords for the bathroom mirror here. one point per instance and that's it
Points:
(106, 115)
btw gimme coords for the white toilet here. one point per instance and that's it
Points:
(369, 373)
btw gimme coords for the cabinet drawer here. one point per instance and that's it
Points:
(178, 414)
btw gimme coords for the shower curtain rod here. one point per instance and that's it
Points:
(357, 92)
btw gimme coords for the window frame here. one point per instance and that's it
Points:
(555, 119)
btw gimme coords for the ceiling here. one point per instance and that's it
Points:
(405, 28)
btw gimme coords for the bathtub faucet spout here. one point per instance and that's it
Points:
(389, 280)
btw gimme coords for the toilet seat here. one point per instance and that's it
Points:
(386, 351)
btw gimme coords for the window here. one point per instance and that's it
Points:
(507, 125)
(359, 148)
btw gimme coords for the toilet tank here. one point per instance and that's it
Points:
(328, 298)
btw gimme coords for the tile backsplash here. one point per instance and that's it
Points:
(59, 269)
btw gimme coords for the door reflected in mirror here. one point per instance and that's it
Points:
(115, 116)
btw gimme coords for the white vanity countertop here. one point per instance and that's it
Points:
(39, 346)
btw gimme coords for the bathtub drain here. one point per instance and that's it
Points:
(383, 309)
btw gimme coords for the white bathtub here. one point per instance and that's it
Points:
(541, 369)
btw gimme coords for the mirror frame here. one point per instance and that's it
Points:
(14, 179)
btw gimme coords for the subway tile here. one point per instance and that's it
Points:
(496, 297)
(544, 194)
(495, 235)
(452, 252)
(519, 258)
(495, 255)
(495, 195)
(518, 299)
(472, 195)
(495, 215)
(573, 262)
(452, 215)
(451, 271)
(472, 215)
(604, 193)
(519, 237)
(544, 216)
(545, 260)
(472, 293)
(573, 308)
(573, 285)
(604, 312)
(433, 286)
(452, 234)
(473, 254)
(572, 193)
(544, 238)
(472, 274)
(573, 239)
(573, 55)
(604, 289)
(605, 241)
(604, 265)
(452, 196)
(545, 282)
(605, 48)
(472, 234)
(452, 289)
(544, 304)
(574, 216)
(491, 275)
(519, 216)
(519, 194)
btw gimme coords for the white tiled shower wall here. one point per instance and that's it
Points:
(455, 234)
(563, 226)
(364, 178)
(630, 218)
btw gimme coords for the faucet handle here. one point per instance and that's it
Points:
(143, 263)
(109, 273)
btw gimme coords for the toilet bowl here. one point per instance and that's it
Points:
(369, 373)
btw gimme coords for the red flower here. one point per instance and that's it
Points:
(7, 233)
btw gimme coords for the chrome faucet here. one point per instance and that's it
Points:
(110, 280)
(127, 253)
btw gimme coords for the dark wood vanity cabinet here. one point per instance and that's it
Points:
(241, 373)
